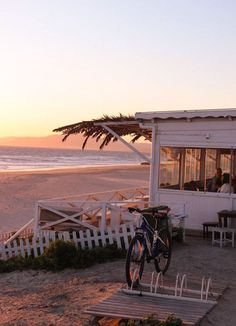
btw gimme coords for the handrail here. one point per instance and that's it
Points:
(18, 232)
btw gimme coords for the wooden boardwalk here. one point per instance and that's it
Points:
(122, 305)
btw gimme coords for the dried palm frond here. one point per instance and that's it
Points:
(92, 129)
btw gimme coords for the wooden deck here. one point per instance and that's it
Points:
(122, 305)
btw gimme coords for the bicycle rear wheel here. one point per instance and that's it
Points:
(135, 261)
(162, 260)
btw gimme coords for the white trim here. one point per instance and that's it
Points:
(117, 123)
(154, 171)
(187, 114)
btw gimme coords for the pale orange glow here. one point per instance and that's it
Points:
(91, 59)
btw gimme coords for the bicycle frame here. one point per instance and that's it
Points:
(143, 230)
(151, 241)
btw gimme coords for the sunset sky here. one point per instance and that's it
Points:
(63, 61)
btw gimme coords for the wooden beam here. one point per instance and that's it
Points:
(143, 156)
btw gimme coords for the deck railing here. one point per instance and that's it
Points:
(92, 211)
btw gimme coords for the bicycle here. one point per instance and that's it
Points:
(152, 241)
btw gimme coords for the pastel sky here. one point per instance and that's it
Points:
(63, 61)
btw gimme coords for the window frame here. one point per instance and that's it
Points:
(202, 173)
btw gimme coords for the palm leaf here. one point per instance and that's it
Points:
(92, 129)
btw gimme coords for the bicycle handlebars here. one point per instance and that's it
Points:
(134, 209)
(154, 211)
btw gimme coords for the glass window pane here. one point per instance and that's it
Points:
(211, 156)
(192, 164)
(225, 160)
(234, 170)
(169, 167)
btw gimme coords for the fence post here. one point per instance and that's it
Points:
(125, 236)
(117, 237)
(75, 240)
(103, 218)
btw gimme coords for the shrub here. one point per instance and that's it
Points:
(172, 321)
(59, 255)
(152, 321)
(63, 254)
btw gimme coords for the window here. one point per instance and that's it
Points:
(193, 168)
(211, 162)
(169, 167)
(192, 164)
(225, 160)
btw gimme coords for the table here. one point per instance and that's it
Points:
(224, 215)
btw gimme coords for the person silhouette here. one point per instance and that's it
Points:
(216, 182)
(226, 188)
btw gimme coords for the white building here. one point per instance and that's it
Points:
(187, 147)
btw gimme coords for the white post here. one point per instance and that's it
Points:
(103, 217)
(36, 219)
(154, 169)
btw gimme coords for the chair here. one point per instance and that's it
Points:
(206, 226)
(224, 236)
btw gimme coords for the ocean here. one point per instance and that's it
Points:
(27, 158)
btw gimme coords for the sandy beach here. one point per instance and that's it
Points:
(19, 191)
(57, 299)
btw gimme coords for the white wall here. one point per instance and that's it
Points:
(200, 207)
(211, 134)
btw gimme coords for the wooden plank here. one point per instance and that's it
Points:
(88, 238)
(125, 235)
(110, 235)
(41, 244)
(117, 237)
(162, 304)
(95, 236)
(34, 245)
(81, 239)
(22, 249)
(75, 240)
(3, 255)
(103, 238)
(15, 246)
(121, 305)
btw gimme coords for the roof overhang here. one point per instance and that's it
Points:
(186, 114)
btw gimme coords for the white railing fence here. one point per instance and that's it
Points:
(92, 215)
(35, 246)
(105, 196)
(97, 210)
(93, 211)
(26, 233)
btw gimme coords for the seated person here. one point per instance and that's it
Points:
(216, 182)
(225, 188)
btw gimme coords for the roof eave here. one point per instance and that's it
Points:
(186, 114)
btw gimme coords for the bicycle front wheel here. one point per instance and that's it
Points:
(135, 261)
(162, 260)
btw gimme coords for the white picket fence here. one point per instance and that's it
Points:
(83, 239)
